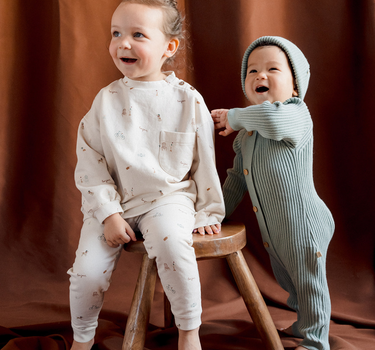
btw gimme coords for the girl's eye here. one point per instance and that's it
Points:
(116, 34)
(138, 35)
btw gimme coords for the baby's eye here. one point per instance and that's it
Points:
(252, 71)
(116, 34)
(138, 35)
(273, 68)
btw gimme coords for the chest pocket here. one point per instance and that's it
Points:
(176, 152)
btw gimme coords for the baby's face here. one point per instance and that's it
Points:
(269, 77)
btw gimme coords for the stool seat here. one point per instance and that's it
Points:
(230, 239)
(226, 244)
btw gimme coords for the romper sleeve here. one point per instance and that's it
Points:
(288, 121)
(209, 204)
(235, 186)
(100, 198)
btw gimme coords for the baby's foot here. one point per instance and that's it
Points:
(82, 346)
(300, 347)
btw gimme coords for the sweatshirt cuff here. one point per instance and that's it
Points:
(108, 209)
(202, 220)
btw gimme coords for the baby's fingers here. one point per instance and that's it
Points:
(217, 112)
(225, 132)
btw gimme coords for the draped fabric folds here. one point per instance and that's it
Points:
(54, 60)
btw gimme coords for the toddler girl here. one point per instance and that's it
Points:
(145, 162)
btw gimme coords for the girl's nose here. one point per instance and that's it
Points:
(125, 44)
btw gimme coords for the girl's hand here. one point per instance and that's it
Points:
(220, 118)
(117, 231)
(209, 229)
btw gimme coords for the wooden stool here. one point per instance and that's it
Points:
(226, 244)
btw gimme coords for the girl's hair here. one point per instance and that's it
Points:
(172, 26)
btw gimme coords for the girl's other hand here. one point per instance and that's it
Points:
(208, 229)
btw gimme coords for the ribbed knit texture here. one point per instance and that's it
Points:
(293, 220)
(275, 164)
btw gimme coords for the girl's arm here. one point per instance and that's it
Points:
(209, 203)
(100, 198)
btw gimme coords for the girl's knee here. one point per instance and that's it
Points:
(173, 247)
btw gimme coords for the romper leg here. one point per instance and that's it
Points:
(254, 301)
(136, 326)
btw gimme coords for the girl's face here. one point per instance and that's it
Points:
(269, 77)
(138, 46)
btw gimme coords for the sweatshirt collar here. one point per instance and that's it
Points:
(150, 84)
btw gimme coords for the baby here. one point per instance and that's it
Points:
(273, 162)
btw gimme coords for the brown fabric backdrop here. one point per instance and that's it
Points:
(54, 59)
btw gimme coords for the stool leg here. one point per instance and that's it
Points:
(254, 301)
(139, 315)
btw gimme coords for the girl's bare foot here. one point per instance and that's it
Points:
(189, 340)
(82, 346)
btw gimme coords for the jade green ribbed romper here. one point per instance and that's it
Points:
(274, 161)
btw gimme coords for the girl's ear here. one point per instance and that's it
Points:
(172, 47)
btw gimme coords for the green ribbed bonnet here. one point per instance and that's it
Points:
(301, 68)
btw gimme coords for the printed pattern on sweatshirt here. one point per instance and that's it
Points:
(145, 144)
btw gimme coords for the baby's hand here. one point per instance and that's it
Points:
(209, 229)
(220, 118)
(117, 231)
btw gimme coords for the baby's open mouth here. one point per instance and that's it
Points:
(261, 89)
(128, 60)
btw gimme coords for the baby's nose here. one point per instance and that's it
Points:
(261, 75)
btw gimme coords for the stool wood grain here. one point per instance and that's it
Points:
(226, 244)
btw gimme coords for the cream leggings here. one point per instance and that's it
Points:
(167, 231)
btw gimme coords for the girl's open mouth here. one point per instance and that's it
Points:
(128, 60)
(261, 89)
